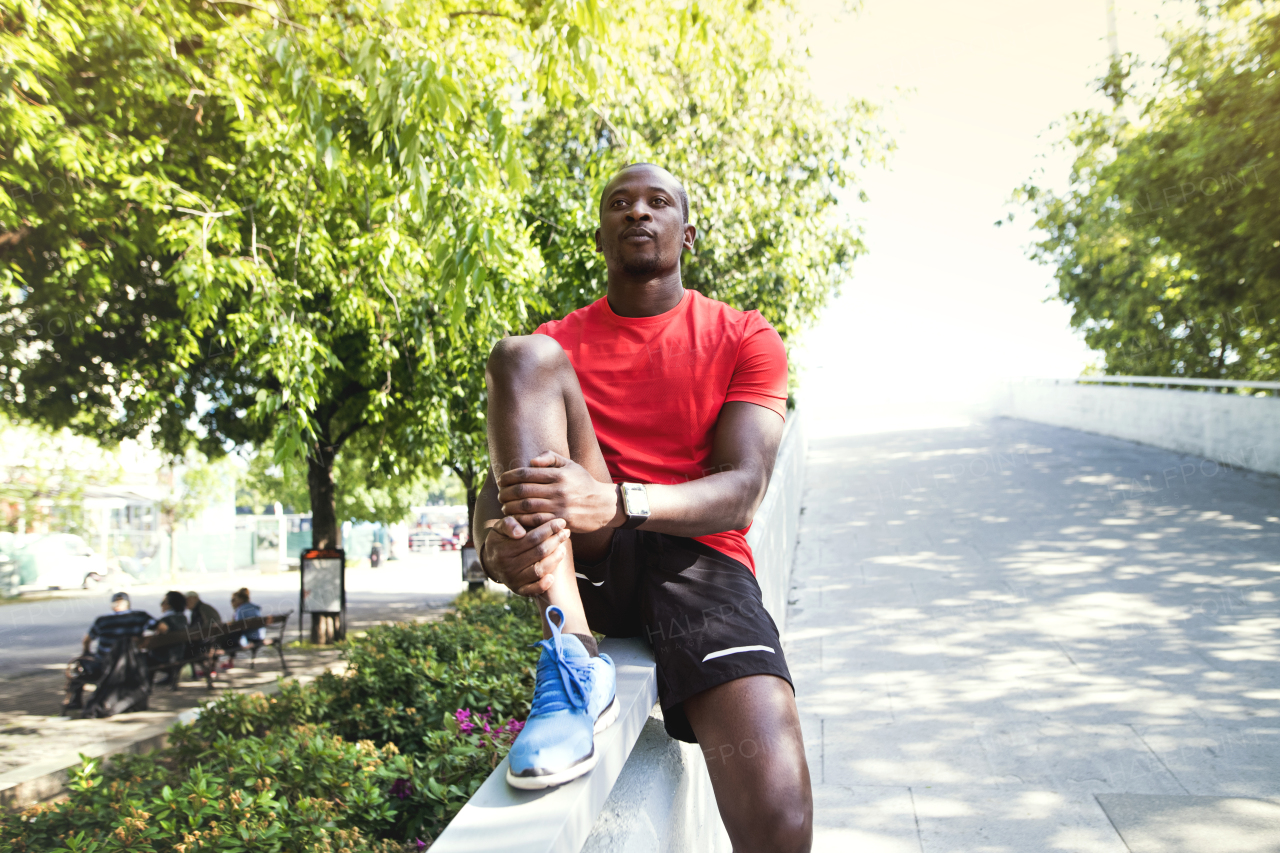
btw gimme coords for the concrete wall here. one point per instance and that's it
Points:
(776, 527)
(1243, 432)
(662, 801)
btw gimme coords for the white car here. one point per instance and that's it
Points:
(59, 561)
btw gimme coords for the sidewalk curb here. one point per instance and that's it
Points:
(46, 779)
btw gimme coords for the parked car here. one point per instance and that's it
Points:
(59, 561)
(423, 540)
(9, 583)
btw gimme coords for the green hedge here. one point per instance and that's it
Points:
(378, 759)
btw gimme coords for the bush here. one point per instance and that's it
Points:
(373, 760)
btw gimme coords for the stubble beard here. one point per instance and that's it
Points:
(647, 265)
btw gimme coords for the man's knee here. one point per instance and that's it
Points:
(779, 822)
(526, 356)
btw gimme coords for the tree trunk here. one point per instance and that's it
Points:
(325, 530)
(468, 477)
(326, 628)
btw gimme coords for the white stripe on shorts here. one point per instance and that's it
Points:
(735, 650)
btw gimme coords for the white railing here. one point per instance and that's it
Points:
(1235, 430)
(1173, 380)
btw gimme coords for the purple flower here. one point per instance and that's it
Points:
(463, 716)
(402, 788)
(422, 845)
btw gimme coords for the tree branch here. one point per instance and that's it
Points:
(265, 11)
(13, 238)
(350, 431)
(483, 13)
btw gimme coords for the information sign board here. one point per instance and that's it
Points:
(324, 588)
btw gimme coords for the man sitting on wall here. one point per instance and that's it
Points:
(632, 442)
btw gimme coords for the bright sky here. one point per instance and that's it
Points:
(944, 302)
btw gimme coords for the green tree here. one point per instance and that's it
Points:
(718, 97)
(275, 223)
(301, 227)
(361, 494)
(711, 91)
(1165, 243)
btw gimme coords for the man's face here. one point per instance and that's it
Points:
(642, 229)
(192, 601)
(120, 605)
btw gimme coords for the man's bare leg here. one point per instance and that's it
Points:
(749, 732)
(535, 406)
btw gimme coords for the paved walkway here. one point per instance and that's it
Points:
(40, 636)
(993, 624)
(34, 743)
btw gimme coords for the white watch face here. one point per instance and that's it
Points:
(636, 499)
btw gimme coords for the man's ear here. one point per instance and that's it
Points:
(599, 248)
(690, 235)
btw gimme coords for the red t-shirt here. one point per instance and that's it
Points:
(655, 387)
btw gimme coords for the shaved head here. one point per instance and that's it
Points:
(676, 185)
(644, 222)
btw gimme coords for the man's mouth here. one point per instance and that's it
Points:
(636, 233)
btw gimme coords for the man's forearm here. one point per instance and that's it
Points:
(487, 508)
(723, 501)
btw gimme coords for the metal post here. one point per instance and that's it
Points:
(282, 553)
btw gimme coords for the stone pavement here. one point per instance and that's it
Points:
(36, 745)
(30, 734)
(992, 624)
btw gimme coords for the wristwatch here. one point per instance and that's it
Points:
(635, 503)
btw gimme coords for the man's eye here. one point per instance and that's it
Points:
(660, 201)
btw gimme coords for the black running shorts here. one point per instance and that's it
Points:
(700, 610)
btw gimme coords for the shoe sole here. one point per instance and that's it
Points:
(607, 717)
(536, 783)
(551, 780)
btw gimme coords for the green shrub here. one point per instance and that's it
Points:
(378, 757)
(303, 789)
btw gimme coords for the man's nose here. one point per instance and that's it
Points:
(638, 213)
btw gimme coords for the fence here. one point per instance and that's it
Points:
(1238, 430)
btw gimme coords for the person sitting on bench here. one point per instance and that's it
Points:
(172, 606)
(203, 614)
(205, 617)
(121, 625)
(251, 639)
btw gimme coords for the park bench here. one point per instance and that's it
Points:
(202, 645)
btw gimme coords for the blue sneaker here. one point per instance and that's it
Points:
(603, 704)
(574, 693)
